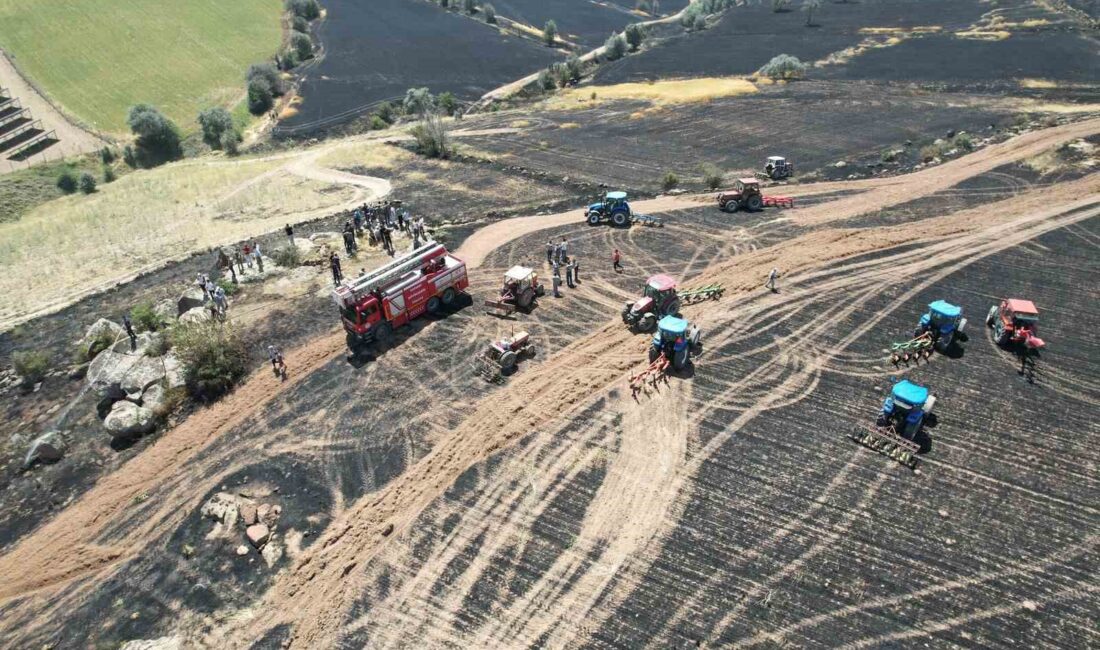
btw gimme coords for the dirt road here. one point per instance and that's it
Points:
(329, 576)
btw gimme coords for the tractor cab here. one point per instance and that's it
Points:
(1015, 321)
(906, 408)
(675, 338)
(746, 186)
(777, 167)
(943, 321)
(520, 278)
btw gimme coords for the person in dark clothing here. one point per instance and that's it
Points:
(569, 275)
(126, 323)
(334, 262)
(349, 243)
(289, 233)
(576, 270)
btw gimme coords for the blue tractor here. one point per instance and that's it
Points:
(943, 323)
(906, 409)
(614, 208)
(676, 339)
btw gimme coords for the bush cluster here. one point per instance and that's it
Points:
(784, 66)
(670, 181)
(158, 139)
(145, 318)
(694, 17)
(214, 358)
(30, 365)
(615, 47)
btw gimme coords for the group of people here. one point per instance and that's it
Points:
(213, 296)
(248, 254)
(557, 256)
(379, 222)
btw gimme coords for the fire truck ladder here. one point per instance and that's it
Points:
(381, 276)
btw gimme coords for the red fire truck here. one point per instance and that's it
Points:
(372, 305)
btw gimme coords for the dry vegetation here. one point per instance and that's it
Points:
(678, 91)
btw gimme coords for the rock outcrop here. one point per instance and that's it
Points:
(127, 419)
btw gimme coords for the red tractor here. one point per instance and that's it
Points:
(746, 196)
(659, 299)
(1015, 321)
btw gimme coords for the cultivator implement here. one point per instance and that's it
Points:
(647, 220)
(488, 369)
(649, 377)
(912, 350)
(700, 294)
(500, 308)
(886, 441)
(778, 201)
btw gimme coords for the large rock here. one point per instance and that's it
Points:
(143, 373)
(127, 419)
(108, 371)
(153, 397)
(222, 508)
(173, 371)
(188, 300)
(98, 328)
(142, 344)
(167, 310)
(195, 315)
(163, 643)
(258, 534)
(46, 448)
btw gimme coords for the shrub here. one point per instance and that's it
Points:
(546, 80)
(215, 122)
(31, 366)
(470, 6)
(109, 175)
(106, 155)
(699, 24)
(712, 177)
(963, 141)
(779, 6)
(615, 47)
(418, 101)
(145, 318)
(929, 153)
(230, 142)
(550, 32)
(158, 346)
(228, 286)
(635, 34)
(574, 67)
(173, 399)
(560, 74)
(103, 340)
(307, 9)
(387, 112)
(299, 24)
(260, 97)
(377, 123)
(87, 183)
(213, 356)
(784, 66)
(448, 103)
(888, 156)
(289, 60)
(810, 6)
(670, 181)
(128, 156)
(490, 13)
(67, 181)
(287, 256)
(431, 137)
(158, 139)
(268, 73)
(302, 45)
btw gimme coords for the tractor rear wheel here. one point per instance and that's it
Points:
(754, 203)
(525, 298)
(654, 352)
(647, 322)
(449, 296)
(680, 359)
(507, 360)
(593, 218)
(434, 305)
(620, 219)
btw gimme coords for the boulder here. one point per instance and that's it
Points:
(173, 371)
(142, 344)
(98, 328)
(188, 300)
(840, 164)
(46, 448)
(127, 419)
(258, 535)
(195, 315)
(163, 643)
(167, 310)
(222, 507)
(143, 373)
(270, 515)
(153, 397)
(249, 513)
(108, 371)
(271, 553)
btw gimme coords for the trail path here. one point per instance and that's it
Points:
(72, 138)
(315, 594)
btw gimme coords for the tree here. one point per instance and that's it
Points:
(448, 103)
(214, 358)
(260, 97)
(635, 34)
(470, 6)
(308, 9)
(129, 157)
(490, 13)
(106, 155)
(550, 32)
(66, 182)
(783, 66)
(712, 177)
(87, 183)
(779, 6)
(268, 73)
(302, 45)
(615, 47)
(810, 6)
(215, 122)
(387, 112)
(108, 174)
(158, 139)
(574, 67)
(431, 136)
(229, 141)
(299, 24)
(418, 101)
(670, 181)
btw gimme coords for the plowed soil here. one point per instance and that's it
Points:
(727, 507)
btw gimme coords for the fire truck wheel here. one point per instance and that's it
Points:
(383, 332)
(434, 304)
(353, 344)
(449, 297)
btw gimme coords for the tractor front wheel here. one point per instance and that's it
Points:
(593, 218)
(754, 203)
(731, 205)
(620, 219)
(990, 316)
(647, 322)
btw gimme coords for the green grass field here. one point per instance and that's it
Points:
(98, 57)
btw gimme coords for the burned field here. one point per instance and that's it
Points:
(375, 52)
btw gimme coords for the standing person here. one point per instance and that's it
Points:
(563, 251)
(616, 258)
(257, 255)
(209, 289)
(556, 269)
(569, 275)
(239, 259)
(401, 220)
(771, 283)
(126, 323)
(556, 282)
(278, 365)
(247, 250)
(358, 218)
(200, 280)
(576, 270)
(289, 233)
(349, 242)
(221, 301)
(550, 249)
(388, 239)
(334, 262)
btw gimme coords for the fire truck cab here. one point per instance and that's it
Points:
(373, 305)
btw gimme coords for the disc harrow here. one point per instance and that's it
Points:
(886, 441)
(487, 369)
(649, 377)
(915, 349)
(700, 294)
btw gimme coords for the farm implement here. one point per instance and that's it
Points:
(746, 196)
(701, 294)
(673, 345)
(500, 357)
(653, 373)
(898, 433)
(520, 290)
(912, 350)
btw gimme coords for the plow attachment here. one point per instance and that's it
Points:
(912, 350)
(778, 201)
(654, 373)
(499, 308)
(647, 220)
(487, 369)
(886, 441)
(709, 292)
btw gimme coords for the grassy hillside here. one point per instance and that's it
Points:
(96, 58)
